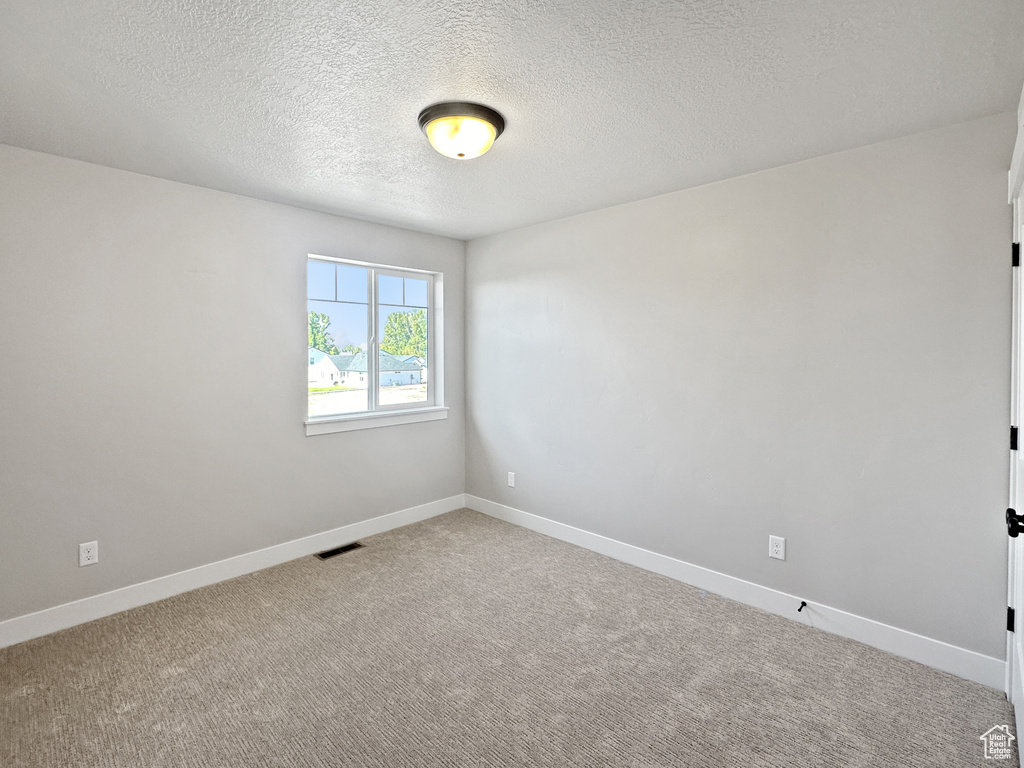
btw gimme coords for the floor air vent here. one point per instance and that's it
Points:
(338, 550)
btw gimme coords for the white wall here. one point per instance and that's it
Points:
(173, 433)
(819, 351)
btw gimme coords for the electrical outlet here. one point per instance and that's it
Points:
(511, 479)
(88, 553)
(777, 547)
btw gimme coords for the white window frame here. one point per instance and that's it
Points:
(378, 415)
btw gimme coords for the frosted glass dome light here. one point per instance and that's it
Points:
(460, 129)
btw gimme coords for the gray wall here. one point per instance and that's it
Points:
(152, 377)
(819, 351)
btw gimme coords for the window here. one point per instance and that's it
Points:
(373, 345)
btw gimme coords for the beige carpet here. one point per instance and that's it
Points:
(464, 641)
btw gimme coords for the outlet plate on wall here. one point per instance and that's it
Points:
(511, 479)
(88, 553)
(777, 547)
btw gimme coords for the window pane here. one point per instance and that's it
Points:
(338, 340)
(403, 355)
(352, 284)
(342, 300)
(389, 290)
(415, 292)
(320, 280)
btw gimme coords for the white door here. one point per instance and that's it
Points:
(1015, 587)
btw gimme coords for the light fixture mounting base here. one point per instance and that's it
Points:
(462, 109)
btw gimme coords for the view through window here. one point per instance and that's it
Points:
(370, 338)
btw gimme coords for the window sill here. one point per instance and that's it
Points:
(373, 420)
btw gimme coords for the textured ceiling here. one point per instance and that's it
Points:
(606, 101)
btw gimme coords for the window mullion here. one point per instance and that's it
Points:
(373, 354)
(430, 341)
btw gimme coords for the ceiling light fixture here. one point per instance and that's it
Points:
(461, 129)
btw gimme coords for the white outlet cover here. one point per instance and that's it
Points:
(777, 547)
(511, 479)
(88, 553)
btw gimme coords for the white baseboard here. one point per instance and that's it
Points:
(44, 622)
(970, 665)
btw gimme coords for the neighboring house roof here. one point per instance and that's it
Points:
(396, 363)
(388, 363)
(350, 362)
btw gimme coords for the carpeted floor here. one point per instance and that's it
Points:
(464, 641)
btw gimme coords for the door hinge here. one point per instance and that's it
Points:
(1013, 438)
(1016, 254)
(1009, 619)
